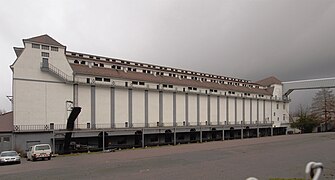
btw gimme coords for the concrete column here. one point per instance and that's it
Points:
(53, 142)
(198, 109)
(250, 111)
(186, 108)
(130, 108)
(200, 135)
(257, 111)
(174, 109)
(208, 110)
(271, 130)
(222, 134)
(112, 105)
(241, 132)
(146, 110)
(143, 140)
(257, 131)
(93, 107)
(243, 110)
(218, 110)
(160, 108)
(235, 104)
(174, 136)
(227, 109)
(103, 140)
(264, 111)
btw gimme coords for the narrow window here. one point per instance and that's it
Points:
(284, 106)
(45, 47)
(277, 106)
(107, 80)
(36, 46)
(134, 82)
(170, 86)
(141, 83)
(98, 79)
(76, 61)
(45, 54)
(164, 85)
(83, 62)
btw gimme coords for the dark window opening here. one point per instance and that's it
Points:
(83, 62)
(36, 46)
(102, 65)
(107, 80)
(98, 78)
(87, 80)
(76, 61)
(141, 83)
(134, 82)
(170, 86)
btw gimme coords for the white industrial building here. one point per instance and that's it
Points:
(121, 97)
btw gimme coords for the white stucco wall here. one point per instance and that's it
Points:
(138, 114)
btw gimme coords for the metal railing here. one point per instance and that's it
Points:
(51, 68)
(51, 126)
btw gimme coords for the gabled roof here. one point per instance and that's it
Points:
(6, 122)
(44, 39)
(269, 81)
(120, 74)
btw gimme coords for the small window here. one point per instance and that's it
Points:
(107, 80)
(6, 139)
(96, 64)
(87, 80)
(194, 89)
(141, 83)
(83, 62)
(45, 47)
(170, 86)
(98, 79)
(76, 61)
(284, 106)
(274, 113)
(45, 54)
(277, 106)
(102, 65)
(284, 117)
(36, 46)
(134, 82)
(165, 85)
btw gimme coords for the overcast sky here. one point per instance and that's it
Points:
(249, 39)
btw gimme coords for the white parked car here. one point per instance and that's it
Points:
(8, 157)
(39, 151)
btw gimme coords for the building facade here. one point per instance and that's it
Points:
(116, 94)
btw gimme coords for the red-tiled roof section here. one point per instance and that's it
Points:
(44, 39)
(120, 74)
(6, 122)
(269, 81)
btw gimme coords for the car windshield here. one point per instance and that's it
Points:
(44, 147)
(12, 153)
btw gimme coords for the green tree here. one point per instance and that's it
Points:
(306, 122)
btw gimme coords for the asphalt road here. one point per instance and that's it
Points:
(264, 158)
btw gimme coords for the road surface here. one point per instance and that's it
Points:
(264, 158)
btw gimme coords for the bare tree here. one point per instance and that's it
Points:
(305, 120)
(323, 106)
